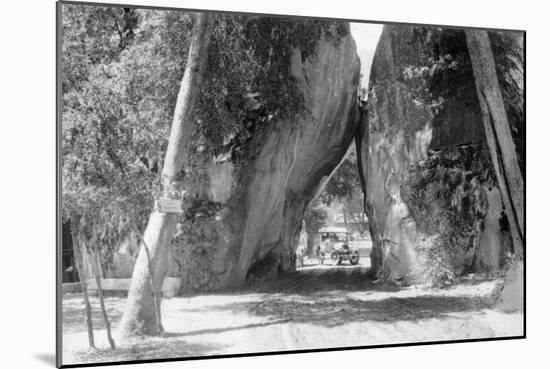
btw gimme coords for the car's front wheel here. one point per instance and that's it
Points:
(335, 258)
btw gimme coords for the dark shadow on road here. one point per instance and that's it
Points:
(325, 310)
(313, 280)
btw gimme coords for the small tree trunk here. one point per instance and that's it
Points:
(141, 314)
(499, 136)
(83, 284)
(100, 294)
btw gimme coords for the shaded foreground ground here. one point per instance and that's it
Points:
(316, 307)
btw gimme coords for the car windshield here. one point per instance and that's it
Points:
(338, 237)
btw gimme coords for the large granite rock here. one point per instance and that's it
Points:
(431, 195)
(244, 218)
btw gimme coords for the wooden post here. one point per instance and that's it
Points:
(82, 278)
(96, 267)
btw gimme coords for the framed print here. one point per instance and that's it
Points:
(235, 184)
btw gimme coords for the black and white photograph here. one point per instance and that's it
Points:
(236, 183)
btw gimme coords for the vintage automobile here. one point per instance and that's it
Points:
(334, 246)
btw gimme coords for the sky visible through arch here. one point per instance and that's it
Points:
(366, 36)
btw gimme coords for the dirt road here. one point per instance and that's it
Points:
(316, 307)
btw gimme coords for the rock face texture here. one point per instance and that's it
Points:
(430, 191)
(244, 221)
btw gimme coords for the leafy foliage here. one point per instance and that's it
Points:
(235, 107)
(439, 70)
(344, 183)
(315, 218)
(118, 94)
(446, 195)
(435, 262)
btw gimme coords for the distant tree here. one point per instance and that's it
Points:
(352, 208)
(344, 187)
(315, 218)
(344, 181)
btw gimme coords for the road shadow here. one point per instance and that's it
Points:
(313, 280)
(324, 310)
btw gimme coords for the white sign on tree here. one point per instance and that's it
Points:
(165, 205)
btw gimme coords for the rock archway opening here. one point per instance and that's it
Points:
(334, 207)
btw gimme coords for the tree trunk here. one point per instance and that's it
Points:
(141, 316)
(97, 277)
(499, 136)
(79, 261)
(509, 295)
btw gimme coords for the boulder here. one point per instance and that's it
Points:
(244, 218)
(428, 178)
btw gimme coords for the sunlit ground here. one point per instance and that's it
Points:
(316, 307)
